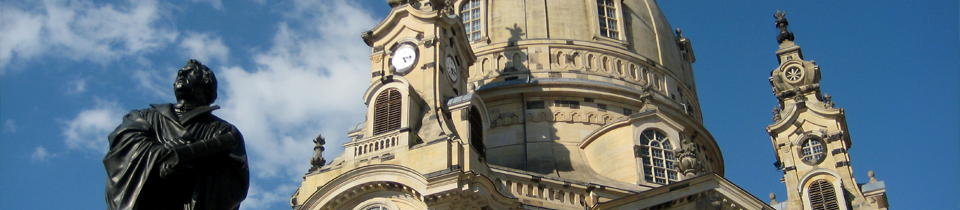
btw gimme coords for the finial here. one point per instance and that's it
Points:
(367, 37)
(773, 199)
(678, 33)
(871, 175)
(776, 114)
(828, 101)
(317, 161)
(395, 3)
(782, 23)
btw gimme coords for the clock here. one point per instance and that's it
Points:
(403, 58)
(451, 68)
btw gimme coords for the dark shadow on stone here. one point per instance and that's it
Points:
(628, 15)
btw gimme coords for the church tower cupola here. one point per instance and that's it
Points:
(811, 138)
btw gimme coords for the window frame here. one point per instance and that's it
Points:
(380, 202)
(803, 147)
(393, 106)
(618, 8)
(822, 197)
(648, 147)
(479, 8)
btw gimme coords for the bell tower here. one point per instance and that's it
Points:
(810, 138)
(420, 56)
(413, 150)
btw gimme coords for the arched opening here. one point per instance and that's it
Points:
(822, 196)
(386, 113)
(659, 160)
(476, 132)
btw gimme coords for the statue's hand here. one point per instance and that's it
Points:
(168, 160)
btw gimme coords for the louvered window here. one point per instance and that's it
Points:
(659, 160)
(822, 196)
(386, 113)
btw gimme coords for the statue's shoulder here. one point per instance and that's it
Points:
(155, 110)
(221, 122)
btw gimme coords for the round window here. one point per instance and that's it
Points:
(793, 74)
(812, 152)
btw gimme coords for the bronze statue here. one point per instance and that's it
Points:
(178, 156)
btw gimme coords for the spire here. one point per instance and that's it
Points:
(782, 23)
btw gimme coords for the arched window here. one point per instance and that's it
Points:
(822, 196)
(476, 132)
(607, 13)
(386, 111)
(376, 207)
(659, 160)
(470, 13)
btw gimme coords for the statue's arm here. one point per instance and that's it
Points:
(134, 153)
(227, 140)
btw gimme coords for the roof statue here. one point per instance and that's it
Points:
(782, 23)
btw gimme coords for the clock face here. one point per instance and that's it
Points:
(403, 58)
(451, 68)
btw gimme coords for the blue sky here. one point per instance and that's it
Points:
(290, 70)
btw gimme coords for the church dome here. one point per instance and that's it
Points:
(570, 85)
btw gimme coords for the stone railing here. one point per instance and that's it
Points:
(377, 143)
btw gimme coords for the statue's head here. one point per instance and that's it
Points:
(195, 84)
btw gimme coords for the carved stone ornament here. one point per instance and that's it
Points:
(687, 156)
(709, 200)
(367, 37)
(447, 8)
(395, 3)
(827, 101)
(317, 161)
(429, 42)
(776, 114)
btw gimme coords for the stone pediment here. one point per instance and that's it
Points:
(708, 191)
(407, 19)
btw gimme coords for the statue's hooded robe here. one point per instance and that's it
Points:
(211, 177)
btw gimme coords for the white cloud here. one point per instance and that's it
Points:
(80, 30)
(309, 82)
(89, 130)
(9, 126)
(77, 87)
(40, 154)
(258, 198)
(155, 83)
(216, 4)
(204, 47)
